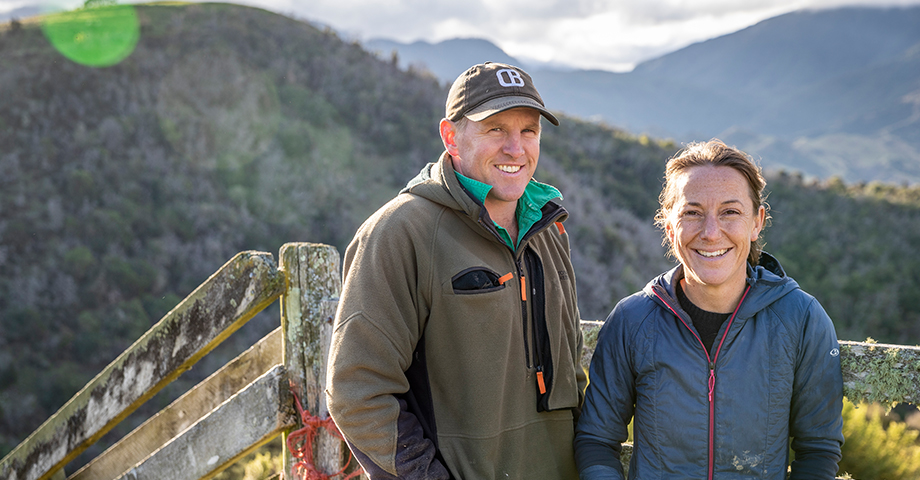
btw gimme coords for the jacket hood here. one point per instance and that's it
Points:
(768, 282)
(438, 182)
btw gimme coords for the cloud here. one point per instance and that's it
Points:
(601, 34)
(19, 9)
(616, 38)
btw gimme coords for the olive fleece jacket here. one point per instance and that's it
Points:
(454, 356)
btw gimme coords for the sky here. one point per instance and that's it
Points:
(611, 35)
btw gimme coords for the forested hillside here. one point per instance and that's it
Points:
(854, 248)
(230, 128)
(125, 187)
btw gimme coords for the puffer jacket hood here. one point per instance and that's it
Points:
(768, 282)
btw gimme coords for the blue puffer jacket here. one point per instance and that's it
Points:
(776, 375)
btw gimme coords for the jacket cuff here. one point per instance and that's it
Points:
(600, 472)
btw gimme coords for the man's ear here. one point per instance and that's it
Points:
(449, 136)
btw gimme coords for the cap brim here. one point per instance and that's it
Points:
(501, 104)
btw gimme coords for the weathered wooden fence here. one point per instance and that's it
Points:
(248, 402)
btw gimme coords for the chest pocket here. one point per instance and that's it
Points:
(476, 280)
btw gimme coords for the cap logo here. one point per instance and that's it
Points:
(509, 78)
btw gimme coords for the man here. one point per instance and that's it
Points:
(456, 346)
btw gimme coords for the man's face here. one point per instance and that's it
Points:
(501, 151)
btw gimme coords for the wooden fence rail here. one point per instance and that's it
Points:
(248, 402)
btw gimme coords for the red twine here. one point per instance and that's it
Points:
(300, 443)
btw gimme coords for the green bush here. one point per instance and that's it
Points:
(78, 261)
(263, 464)
(875, 452)
(132, 277)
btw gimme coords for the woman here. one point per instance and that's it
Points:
(722, 359)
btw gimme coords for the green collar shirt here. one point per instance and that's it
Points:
(529, 207)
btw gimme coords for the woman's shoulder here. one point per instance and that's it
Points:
(800, 311)
(633, 304)
(795, 298)
(632, 313)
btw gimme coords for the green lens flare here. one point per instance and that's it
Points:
(96, 37)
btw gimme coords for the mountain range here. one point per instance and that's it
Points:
(823, 92)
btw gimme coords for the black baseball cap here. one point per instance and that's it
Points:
(488, 88)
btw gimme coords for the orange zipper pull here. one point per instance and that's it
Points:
(540, 383)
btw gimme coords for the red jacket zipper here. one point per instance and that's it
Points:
(712, 371)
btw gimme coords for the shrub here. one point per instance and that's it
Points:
(873, 451)
(263, 464)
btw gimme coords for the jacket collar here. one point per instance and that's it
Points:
(438, 182)
(768, 281)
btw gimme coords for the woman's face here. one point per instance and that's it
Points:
(711, 226)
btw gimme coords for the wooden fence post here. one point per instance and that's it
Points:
(307, 313)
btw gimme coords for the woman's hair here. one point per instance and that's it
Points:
(714, 153)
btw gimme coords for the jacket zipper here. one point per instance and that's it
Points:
(530, 359)
(541, 354)
(537, 227)
(712, 371)
(520, 271)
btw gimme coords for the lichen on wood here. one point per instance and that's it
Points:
(307, 313)
(591, 329)
(248, 419)
(873, 372)
(186, 410)
(198, 324)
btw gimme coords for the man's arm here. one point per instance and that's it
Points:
(581, 376)
(377, 329)
(363, 400)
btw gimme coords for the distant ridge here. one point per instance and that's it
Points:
(445, 59)
(20, 13)
(824, 92)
